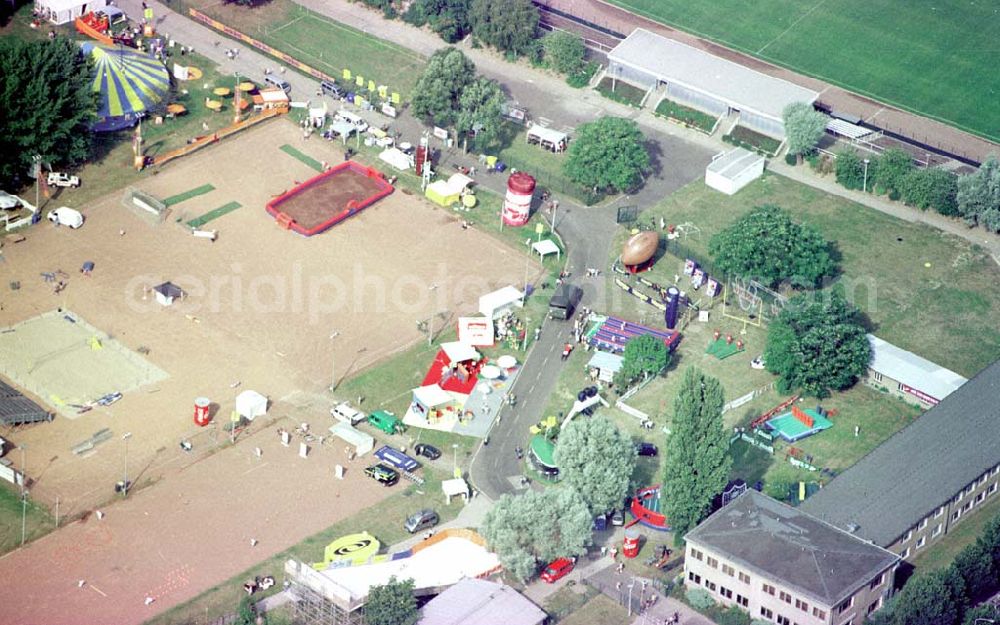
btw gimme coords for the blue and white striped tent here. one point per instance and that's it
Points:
(130, 83)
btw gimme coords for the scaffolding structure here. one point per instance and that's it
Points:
(316, 604)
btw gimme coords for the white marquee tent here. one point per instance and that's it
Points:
(363, 443)
(65, 11)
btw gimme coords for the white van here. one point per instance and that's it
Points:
(280, 83)
(351, 118)
(65, 216)
(345, 413)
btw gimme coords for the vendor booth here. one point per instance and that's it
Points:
(551, 140)
(448, 192)
(397, 158)
(434, 404)
(251, 404)
(65, 11)
(544, 248)
(363, 443)
(498, 303)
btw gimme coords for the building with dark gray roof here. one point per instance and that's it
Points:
(910, 490)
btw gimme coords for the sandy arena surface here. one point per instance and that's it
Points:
(318, 203)
(261, 308)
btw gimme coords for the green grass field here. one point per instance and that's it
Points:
(37, 521)
(925, 56)
(321, 43)
(947, 312)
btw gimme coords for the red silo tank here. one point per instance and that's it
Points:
(630, 546)
(517, 203)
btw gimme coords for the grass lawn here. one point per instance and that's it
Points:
(868, 46)
(620, 91)
(545, 166)
(37, 521)
(940, 554)
(384, 521)
(320, 42)
(686, 115)
(601, 610)
(568, 600)
(947, 312)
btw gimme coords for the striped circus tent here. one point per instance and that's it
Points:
(130, 83)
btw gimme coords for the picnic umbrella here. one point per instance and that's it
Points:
(129, 83)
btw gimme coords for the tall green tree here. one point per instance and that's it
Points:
(644, 355)
(392, 603)
(975, 565)
(534, 528)
(926, 600)
(766, 245)
(596, 459)
(439, 90)
(46, 105)
(564, 51)
(608, 154)
(894, 165)
(448, 18)
(480, 110)
(697, 462)
(508, 25)
(816, 344)
(979, 196)
(804, 127)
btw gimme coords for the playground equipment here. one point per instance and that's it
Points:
(773, 411)
(305, 208)
(639, 251)
(723, 347)
(646, 508)
(798, 424)
(614, 333)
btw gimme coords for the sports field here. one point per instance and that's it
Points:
(925, 56)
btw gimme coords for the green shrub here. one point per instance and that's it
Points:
(581, 79)
(850, 170)
(777, 489)
(791, 159)
(732, 616)
(700, 599)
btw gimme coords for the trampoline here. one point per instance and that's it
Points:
(325, 200)
(646, 508)
(798, 424)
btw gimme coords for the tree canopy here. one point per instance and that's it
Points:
(608, 154)
(644, 355)
(890, 174)
(46, 104)
(508, 25)
(931, 188)
(392, 603)
(438, 93)
(532, 529)
(697, 460)
(816, 344)
(766, 245)
(564, 51)
(804, 127)
(979, 196)
(926, 600)
(481, 111)
(596, 459)
(448, 18)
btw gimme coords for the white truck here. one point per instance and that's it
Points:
(65, 216)
(345, 413)
(63, 180)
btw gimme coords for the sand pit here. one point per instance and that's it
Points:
(68, 363)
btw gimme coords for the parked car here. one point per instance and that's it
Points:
(345, 413)
(280, 83)
(646, 449)
(382, 474)
(427, 451)
(618, 518)
(420, 521)
(330, 88)
(63, 180)
(65, 216)
(557, 569)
